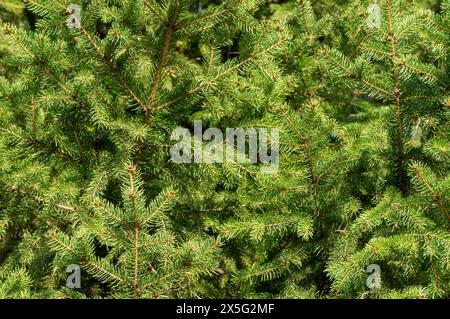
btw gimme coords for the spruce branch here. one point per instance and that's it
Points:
(154, 10)
(38, 199)
(162, 60)
(111, 68)
(248, 60)
(415, 167)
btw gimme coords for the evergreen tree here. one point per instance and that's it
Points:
(402, 66)
(88, 103)
(329, 209)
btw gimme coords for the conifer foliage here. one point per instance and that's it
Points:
(88, 103)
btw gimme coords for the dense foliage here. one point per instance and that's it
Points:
(86, 175)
